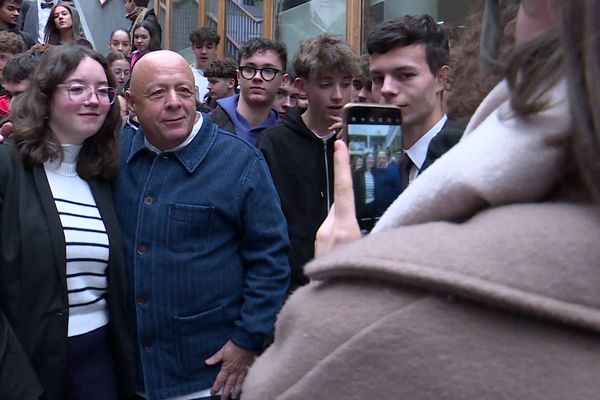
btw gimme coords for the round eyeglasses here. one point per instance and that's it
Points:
(267, 74)
(79, 93)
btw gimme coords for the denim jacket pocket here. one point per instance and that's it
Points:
(199, 337)
(189, 227)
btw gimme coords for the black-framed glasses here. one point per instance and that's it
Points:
(79, 93)
(267, 74)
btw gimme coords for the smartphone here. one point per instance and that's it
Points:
(374, 137)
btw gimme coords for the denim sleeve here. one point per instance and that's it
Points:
(264, 249)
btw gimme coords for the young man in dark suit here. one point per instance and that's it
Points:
(408, 64)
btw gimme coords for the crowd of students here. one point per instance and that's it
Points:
(155, 215)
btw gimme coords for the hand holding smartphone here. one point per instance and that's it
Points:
(374, 137)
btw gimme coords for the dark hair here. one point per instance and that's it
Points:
(118, 30)
(153, 30)
(469, 80)
(325, 52)
(533, 68)
(11, 43)
(22, 65)
(291, 73)
(409, 30)
(141, 3)
(33, 136)
(204, 35)
(260, 45)
(225, 68)
(116, 56)
(19, 2)
(52, 34)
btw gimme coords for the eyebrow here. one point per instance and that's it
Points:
(83, 82)
(268, 65)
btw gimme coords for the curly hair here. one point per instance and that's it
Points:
(325, 52)
(204, 35)
(468, 83)
(11, 43)
(34, 138)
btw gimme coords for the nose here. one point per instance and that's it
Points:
(337, 93)
(287, 103)
(93, 99)
(172, 100)
(257, 77)
(362, 95)
(388, 90)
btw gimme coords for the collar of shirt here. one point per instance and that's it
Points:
(193, 66)
(187, 141)
(418, 151)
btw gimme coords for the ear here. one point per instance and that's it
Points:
(130, 102)
(239, 76)
(442, 78)
(231, 83)
(300, 84)
(285, 79)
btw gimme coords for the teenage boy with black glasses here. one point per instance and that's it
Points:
(261, 72)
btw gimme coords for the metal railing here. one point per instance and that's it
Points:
(241, 26)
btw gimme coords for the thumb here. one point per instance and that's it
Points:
(215, 358)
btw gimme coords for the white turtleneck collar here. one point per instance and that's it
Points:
(68, 165)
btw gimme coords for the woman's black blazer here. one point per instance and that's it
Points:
(34, 307)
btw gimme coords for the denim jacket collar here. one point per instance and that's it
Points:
(191, 155)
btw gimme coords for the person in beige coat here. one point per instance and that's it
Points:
(503, 305)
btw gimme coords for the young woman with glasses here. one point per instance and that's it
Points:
(64, 329)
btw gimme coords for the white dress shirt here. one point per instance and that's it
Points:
(43, 15)
(418, 151)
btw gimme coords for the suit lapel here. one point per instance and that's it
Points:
(52, 219)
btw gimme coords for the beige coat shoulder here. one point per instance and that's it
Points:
(504, 306)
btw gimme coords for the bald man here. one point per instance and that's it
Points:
(205, 240)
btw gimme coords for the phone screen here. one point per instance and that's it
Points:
(375, 142)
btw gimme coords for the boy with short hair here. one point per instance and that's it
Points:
(222, 81)
(287, 94)
(299, 150)
(361, 84)
(10, 45)
(10, 10)
(204, 45)
(18, 70)
(261, 72)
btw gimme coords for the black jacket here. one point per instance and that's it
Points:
(34, 306)
(302, 168)
(446, 138)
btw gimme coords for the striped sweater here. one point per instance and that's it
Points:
(86, 242)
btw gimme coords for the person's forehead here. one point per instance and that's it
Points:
(330, 74)
(120, 35)
(163, 72)
(412, 56)
(204, 44)
(262, 57)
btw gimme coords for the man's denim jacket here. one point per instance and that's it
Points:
(206, 252)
